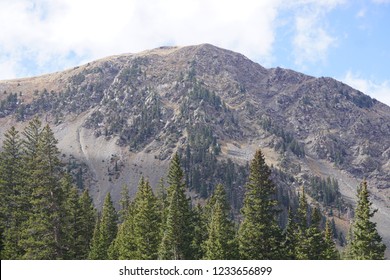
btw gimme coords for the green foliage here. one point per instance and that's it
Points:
(124, 203)
(105, 231)
(43, 216)
(330, 252)
(9, 105)
(365, 242)
(178, 226)
(147, 220)
(42, 232)
(290, 238)
(86, 220)
(11, 213)
(287, 140)
(259, 234)
(221, 243)
(325, 191)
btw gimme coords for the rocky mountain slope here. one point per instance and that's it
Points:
(123, 116)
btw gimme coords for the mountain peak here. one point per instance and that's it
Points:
(124, 116)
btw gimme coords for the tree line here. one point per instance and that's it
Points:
(44, 216)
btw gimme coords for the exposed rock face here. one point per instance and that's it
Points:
(125, 115)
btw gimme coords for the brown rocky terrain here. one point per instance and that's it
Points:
(123, 116)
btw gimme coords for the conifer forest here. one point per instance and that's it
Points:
(45, 215)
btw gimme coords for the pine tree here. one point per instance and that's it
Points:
(147, 220)
(314, 242)
(70, 220)
(366, 243)
(330, 252)
(78, 220)
(259, 233)
(124, 245)
(11, 211)
(221, 243)
(87, 221)
(177, 230)
(301, 249)
(290, 242)
(42, 231)
(124, 202)
(199, 232)
(105, 231)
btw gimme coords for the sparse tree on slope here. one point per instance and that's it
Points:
(259, 233)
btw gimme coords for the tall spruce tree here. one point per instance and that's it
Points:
(178, 224)
(330, 252)
(124, 203)
(147, 219)
(70, 219)
(199, 232)
(259, 234)
(124, 245)
(105, 231)
(221, 242)
(290, 238)
(87, 221)
(301, 248)
(315, 241)
(11, 212)
(366, 243)
(42, 232)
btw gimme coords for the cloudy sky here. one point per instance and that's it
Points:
(345, 39)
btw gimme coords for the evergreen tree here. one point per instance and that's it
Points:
(330, 252)
(314, 243)
(301, 249)
(87, 221)
(105, 231)
(78, 221)
(42, 231)
(124, 245)
(70, 220)
(259, 233)
(11, 211)
(177, 230)
(290, 242)
(147, 220)
(124, 203)
(366, 243)
(199, 233)
(221, 243)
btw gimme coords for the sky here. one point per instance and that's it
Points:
(348, 40)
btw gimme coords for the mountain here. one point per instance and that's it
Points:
(124, 116)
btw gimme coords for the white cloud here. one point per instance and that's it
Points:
(312, 40)
(379, 91)
(46, 33)
(362, 13)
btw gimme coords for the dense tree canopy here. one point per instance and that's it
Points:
(43, 215)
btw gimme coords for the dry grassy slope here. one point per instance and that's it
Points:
(275, 92)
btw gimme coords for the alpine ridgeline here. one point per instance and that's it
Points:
(123, 117)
